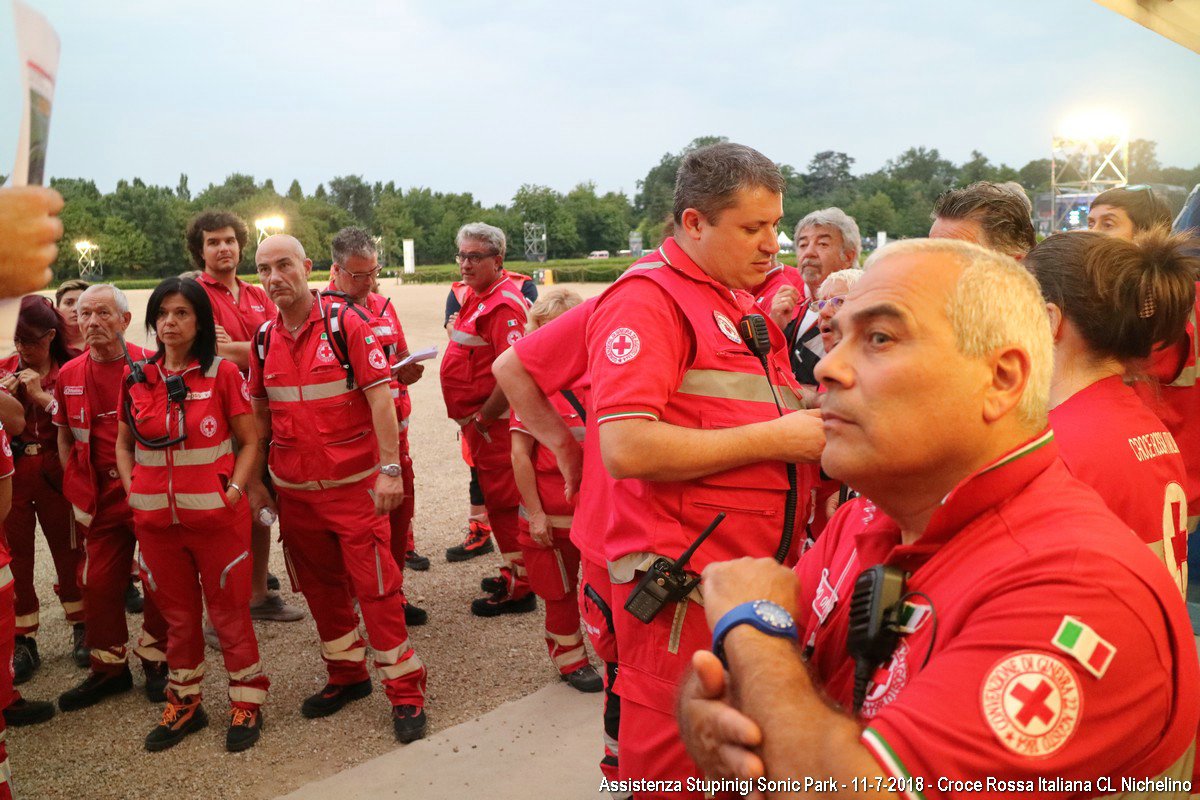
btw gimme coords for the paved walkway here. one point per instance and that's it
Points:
(545, 745)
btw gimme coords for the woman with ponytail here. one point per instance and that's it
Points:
(1110, 302)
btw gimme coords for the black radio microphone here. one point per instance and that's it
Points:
(874, 623)
(754, 332)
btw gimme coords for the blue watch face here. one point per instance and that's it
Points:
(773, 615)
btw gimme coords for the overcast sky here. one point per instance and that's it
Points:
(484, 96)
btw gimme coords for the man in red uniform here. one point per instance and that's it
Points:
(355, 265)
(478, 540)
(692, 424)
(826, 241)
(492, 320)
(216, 241)
(88, 393)
(1008, 674)
(328, 417)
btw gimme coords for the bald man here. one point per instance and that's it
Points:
(319, 384)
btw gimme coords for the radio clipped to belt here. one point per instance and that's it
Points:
(667, 581)
(177, 392)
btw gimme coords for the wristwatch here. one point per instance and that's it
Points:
(770, 618)
(391, 470)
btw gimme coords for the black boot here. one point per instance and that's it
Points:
(94, 688)
(25, 659)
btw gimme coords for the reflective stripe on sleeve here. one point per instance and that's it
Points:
(467, 339)
(82, 435)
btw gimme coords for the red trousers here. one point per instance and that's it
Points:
(401, 518)
(595, 608)
(109, 544)
(493, 464)
(37, 498)
(334, 544)
(650, 670)
(182, 565)
(7, 693)
(554, 577)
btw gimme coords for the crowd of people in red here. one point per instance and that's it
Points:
(978, 438)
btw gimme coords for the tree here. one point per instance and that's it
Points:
(602, 222)
(1143, 162)
(925, 166)
(294, 192)
(827, 171)
(1035, 176)
(354, 196)
(656, 192)
(874, 214)
(236, 188)
(181, 190)
(543, 204)
(156, 213)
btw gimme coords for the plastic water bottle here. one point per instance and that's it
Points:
(267, 516)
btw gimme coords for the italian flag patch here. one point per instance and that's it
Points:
(1080, 641)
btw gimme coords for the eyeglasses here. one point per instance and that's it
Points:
(836, 301)
(474, 258)
(360, 276)
(23, 341)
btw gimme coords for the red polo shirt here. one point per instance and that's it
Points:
(1042, 639)
(1111, 441)
(240, 318)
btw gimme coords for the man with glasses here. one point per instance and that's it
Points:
(492, 319)
(216, 241)
(826, 241)
(355, 267)
(478, 541)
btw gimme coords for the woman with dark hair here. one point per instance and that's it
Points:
(181, 413)
(30, 376)
(1110, 302)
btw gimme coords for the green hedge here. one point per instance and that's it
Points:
(566, 270)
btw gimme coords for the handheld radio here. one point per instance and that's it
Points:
(874, 623)
(177, 392)
(666, 581)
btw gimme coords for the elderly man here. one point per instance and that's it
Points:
(1012, 674)
(88, 392)
(216, 241)
(492, 320)
(691, 424)
(992, 215)
(319, 383)
(355, 265)
(826, 241)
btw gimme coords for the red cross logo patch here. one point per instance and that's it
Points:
(622, 345)
(1032, 703)
(208, 426)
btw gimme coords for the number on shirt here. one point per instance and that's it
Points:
(1174, 539)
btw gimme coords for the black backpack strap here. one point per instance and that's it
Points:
(575, 404)
(262, 342)
(334, 318)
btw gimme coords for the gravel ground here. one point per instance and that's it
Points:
(474, 664)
